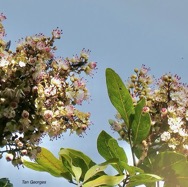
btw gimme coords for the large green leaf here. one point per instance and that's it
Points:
(105, 180)
(181, 171)
(74, 160)
(119, 95)
(141, 123)
(98, 168)
(74, 168)
(46, 161)
(4, 182)
(33, 166)
(109, 148)
(77, 154)
(143, 178)
(173, 167)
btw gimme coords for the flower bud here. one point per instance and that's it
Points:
(115, 125)
(164, 112)
(92, 65)
(25, 114)
(24, 152)
(20, 144)
(9, 157)
(145, 109)
(136, 70)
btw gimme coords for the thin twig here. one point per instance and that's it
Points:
(133, 156)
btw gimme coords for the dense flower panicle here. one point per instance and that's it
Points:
(38, 93)
(167, 104)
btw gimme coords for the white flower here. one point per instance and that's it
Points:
(56, 82)
(22, 64)
(172, 146)
(182, 132)
(165, 136)
(175, 124)
(3, 62)
(171, 109)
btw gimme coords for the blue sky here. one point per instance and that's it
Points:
(121, 34)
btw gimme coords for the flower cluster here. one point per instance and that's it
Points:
(167, 104)
(38, 93)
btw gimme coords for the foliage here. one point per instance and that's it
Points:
(79, 169)
(4, 182)
(38, 93)
(157, 130)
(137, 126)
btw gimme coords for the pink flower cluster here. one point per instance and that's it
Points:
(39, 93)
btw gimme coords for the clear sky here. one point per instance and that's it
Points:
(121, 34)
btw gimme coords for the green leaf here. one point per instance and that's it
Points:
(77, 154)
(98, 168)
(77, 172)
(117, 150)
(73, 158)
(166, 161)
(141, 123)
(119, 95)
(143, 178)
(132, 170)
(105, 180)
(33, 166)
(181, 171)
(173, 167)
(4, 182)
(48, 162)
(109, 148)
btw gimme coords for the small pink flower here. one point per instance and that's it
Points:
(56, 33)
(48, 114)
(2, 34)
(85, 54)
(144, 70)
(92, 65)
(34, 89)
(2, 17)
(79, 83)
(40, 45)
(70, 110)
